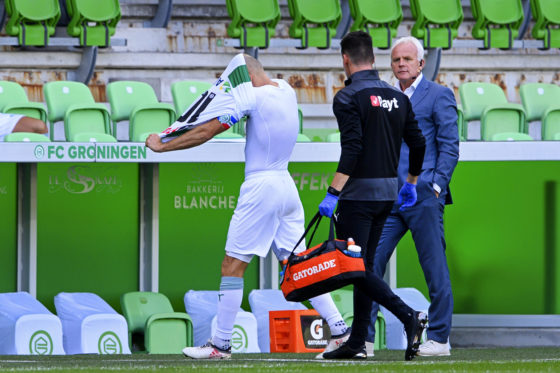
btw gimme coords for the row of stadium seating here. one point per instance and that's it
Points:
(136, 102)
(34, 22)
(436, 22)
(85, 323)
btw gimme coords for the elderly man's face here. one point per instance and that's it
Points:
(404, 62)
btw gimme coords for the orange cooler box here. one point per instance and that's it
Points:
(298, 331)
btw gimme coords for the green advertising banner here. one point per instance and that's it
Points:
(87, 230)
(503, 244)
(8, 228)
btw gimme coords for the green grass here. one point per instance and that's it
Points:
(461, 360)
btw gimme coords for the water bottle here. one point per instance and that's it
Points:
(352, 249)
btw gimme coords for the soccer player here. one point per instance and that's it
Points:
(268, 210)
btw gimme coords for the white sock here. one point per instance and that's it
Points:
(230, 297)
(328, 311)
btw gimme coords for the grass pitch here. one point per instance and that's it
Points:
(461, 360)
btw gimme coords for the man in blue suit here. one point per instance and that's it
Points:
(435, 110)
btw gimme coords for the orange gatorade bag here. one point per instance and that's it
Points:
(321, 268)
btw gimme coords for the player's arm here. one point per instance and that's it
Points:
(197, 136)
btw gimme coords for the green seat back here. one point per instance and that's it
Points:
(186, 92)
(32, 21)
(499, 121)
(538, 97)
(253, 22)
(60, 95)
(497, 22)
(334, 137)
(314, 22)
(436, 22)
(167, 336)
(149, 121)
(461, 126)
(25, 137)
(138, 306)
(511, 136)
(318, 134)
(550, 125)
(13, 100)
(91, 137)
(475, 97)
(380, 18)
(546, 14)
(86, 121)
(93, 21)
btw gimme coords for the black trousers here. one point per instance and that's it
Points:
(363, 221)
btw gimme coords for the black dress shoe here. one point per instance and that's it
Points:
(414, 330)
(345, 352)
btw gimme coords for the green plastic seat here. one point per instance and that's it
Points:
(185, 92)
(25, 137)
(136, 102)
(302, 138)
(93, 21)
(318, 134)
(497, 22)
(488, 103)
(32, 21)
(511, 136)
(379, 18)
(73, 103)
(91, 137)
(13, 100)
(546, 14)
(253, 22)
(153, 326)
(344, 302)
(333, 137)
(542, 102)
(436, 22)
(314, 22)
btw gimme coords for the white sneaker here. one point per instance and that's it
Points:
(433, 348)
(207, 351)
(334, 343)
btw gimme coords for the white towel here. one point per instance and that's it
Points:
(229, 99)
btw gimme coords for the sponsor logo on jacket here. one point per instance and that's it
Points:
(379, 101)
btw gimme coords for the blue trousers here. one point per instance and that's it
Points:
(425, 222)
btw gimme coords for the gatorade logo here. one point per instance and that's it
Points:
(315, 269)
(317, 329)
(239, 340)
(109, 344)
(40, 343)
(378, 101)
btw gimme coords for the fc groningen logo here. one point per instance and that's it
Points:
(239, 340)
(109, 344)
(40, 343)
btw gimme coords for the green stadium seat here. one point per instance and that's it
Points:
(546, 14)
(511, 136)
(33, 22)
(344, 302)
(497, 22)
(333, 137)
(437, 22)
(13, 100)
(379, 18)
(153, 326)
(314, 22)
(73, 103)
(542, 102)
(488, 103)
(25, 137)
(136, 102)
(93, 21)
(302, 138)
(185, 92)
(461, 124)
(318, 134)
(253, 22)
(92, 137)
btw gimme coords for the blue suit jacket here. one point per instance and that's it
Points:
(435, 110)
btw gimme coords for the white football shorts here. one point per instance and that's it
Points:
(268, 210)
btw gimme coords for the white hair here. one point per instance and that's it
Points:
(413, 40)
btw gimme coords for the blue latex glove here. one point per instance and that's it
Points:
(407, 196)
(326, 208)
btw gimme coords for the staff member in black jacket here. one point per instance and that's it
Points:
(373, 119)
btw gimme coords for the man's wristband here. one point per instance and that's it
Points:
(333, 191)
